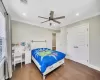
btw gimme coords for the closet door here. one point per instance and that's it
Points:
(77, 45)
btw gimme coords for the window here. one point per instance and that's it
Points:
(0, 48)
(2, 36)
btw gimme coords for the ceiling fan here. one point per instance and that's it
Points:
(52, 18)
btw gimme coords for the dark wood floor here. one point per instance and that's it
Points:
(70, 71)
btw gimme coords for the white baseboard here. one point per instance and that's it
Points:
(94, 67)
(89, 65)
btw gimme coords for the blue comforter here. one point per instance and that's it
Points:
(46, 57)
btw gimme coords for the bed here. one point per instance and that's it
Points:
(46, 59)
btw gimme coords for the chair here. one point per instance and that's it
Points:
(18, 55)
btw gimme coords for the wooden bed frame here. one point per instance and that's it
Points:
(49, 68)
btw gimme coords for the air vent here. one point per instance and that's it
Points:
(24, 1)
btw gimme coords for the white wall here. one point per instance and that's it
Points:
(25, 32)
(94, 38)
(63, 38)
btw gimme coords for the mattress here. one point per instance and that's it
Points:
(46, 57)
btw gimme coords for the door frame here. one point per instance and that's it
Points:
(54, 46)
(85, 24)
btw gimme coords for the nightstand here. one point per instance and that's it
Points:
(27, 57)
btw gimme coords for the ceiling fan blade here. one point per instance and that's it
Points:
(42, 17)
(45, 21)
(56, 21)
(61, 17)
(51, 14)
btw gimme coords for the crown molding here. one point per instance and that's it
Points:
(27, 22)
(97, 14)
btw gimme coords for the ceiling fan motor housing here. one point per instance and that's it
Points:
(50, 18)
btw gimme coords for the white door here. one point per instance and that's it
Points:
(77, 43)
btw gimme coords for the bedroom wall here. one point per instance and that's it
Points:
(25, 32)
(63, 40)
(94, 38)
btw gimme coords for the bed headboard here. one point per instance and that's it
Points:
(38, 44)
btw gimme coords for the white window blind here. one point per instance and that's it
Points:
(1, 48)
(2, 26)
(2, 36)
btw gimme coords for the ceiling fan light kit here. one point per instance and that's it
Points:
(51, 18)
(50, 24)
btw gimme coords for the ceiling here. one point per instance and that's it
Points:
(29, 12)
